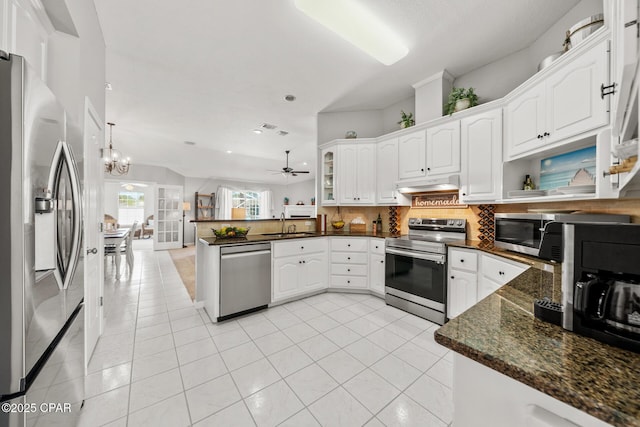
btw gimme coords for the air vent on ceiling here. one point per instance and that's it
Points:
(268, 126)
(283, 133)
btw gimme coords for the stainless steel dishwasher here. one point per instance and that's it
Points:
(245, 278)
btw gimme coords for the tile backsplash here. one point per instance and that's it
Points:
(472, 213)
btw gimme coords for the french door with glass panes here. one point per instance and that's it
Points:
(168, 217)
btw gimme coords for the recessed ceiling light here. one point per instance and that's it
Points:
(268, 126)
(304, 163)
(357, 25)
(289, 98)
(257, 131)
(190, 143)
(229, 151)
(283, 133)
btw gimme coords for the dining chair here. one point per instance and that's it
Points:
(125, 248)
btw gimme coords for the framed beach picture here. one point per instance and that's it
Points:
(570, 171)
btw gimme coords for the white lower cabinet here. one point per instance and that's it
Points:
(376, 266)
(462, 281)
(497, 271)
(473, 275)
(485, 397)
(295, 275)
(349, 263)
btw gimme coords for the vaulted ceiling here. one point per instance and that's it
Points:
(211, 71)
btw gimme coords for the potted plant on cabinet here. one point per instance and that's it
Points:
(460, 99)
(406, 120)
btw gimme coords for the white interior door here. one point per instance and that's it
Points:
(93, 237)
(168, 217)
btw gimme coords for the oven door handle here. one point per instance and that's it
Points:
(435, 258)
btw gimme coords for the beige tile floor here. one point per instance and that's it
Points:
(333, 359)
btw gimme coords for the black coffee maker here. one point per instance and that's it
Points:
(601, 282)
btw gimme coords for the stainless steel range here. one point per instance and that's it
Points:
(416, 266)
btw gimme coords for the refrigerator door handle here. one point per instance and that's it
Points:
(63, 158)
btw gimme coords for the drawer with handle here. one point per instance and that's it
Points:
(349, 258)
(338, 281)
(299, 247)
(500, 270)
(463, 260)
(376, 246)
(349, 270)
(345, 244)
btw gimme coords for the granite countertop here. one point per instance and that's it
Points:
(256, 238)
(501, 333)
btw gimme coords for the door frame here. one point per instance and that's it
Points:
(93, 182)
(157, 245)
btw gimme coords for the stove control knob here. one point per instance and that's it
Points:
(450, 222)
(459, 222)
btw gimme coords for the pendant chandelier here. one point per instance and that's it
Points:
(114, 162)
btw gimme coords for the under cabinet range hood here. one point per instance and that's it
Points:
(424, 185)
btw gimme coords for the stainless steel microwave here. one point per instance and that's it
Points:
(524, 232)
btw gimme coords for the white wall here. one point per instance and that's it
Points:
(367, 124)
(392, 114)
(495, 80)
(299, 191)
(148, 173)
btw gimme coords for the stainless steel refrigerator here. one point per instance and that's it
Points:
(41, 260)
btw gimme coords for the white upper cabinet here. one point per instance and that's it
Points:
(387, 174)
(356, 174)
(481, 174)
(574, 101)
(625, 51)
(328, 181)
(525, 121)
(566, 104)
(412, 155)
(443, 149)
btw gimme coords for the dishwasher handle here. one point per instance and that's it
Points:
(244, 254)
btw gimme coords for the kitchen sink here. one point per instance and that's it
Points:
(297, 234)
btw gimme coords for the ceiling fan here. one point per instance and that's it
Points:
(286, 171)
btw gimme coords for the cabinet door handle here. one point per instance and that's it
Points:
(348, 281)
(348, 269)
(304, 262)
(376, 246)
(501, 273)
(348, 245)
(461, 260)
(453, 277)
(421, 170)
(546, 134)
(428, 169)
(348, 258)
(299, 262)
(464, 194)
(381, 261)
(301, 247)
(539, 136)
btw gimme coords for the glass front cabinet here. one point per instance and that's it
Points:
(328, 183)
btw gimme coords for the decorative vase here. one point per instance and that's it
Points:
(462, 104)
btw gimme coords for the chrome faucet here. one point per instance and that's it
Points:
(282, 220)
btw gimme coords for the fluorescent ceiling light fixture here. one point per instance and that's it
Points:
(257, 131)
(229, 151)
(357, 25)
